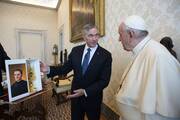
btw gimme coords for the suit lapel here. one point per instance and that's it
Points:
(80, 55)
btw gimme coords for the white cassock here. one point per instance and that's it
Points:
(151, 84)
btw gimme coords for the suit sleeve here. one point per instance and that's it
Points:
(104, 78)
(61, 70)
(3, 57)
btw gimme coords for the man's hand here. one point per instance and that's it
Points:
(77, 93)
(44, 68)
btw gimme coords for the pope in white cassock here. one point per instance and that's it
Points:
(150, 85)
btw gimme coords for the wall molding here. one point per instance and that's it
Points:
(42, 33)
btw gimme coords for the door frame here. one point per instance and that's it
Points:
(42, 33)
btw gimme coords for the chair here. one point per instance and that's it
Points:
(61, 87)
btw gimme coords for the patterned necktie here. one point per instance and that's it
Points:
(86, 61)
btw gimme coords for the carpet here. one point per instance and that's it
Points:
(52, 111)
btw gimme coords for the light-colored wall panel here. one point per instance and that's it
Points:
(28, 39)
(25, 17)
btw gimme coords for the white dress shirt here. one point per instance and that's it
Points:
(93, 50)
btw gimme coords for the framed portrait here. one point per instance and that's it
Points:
(23, 78)
(83, 12)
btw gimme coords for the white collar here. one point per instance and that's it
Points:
(140, 45)
(92, 48)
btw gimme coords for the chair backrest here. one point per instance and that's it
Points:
(56, 79)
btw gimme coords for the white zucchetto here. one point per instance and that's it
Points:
(136, 22)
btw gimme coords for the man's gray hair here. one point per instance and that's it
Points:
(87, 27)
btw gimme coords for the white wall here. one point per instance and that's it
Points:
(162, 17)
(16, 16)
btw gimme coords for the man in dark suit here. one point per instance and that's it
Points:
(3, 57)
(90, 78)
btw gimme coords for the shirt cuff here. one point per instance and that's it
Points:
(48, 70)
(85, 94)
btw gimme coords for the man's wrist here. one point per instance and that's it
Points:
(48, 70)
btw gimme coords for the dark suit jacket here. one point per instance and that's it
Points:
(3, 57)
(97, 75)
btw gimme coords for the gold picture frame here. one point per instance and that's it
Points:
(83, 12)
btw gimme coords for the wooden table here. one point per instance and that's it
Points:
(38, 111)
(4, 107)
